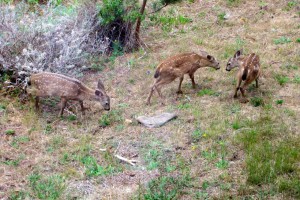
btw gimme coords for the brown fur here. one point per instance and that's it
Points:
(178, 65)
(51, 84)
(249, 70)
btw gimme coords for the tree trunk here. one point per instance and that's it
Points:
(138, 25)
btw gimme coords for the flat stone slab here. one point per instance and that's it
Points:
(157, 120)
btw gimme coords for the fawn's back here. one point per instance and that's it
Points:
(50, 84)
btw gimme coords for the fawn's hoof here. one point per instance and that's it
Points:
(235, 96)
(179, 92)
(244, 100)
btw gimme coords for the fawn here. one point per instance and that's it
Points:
(178, 65)
(249, 70)
(51, 84)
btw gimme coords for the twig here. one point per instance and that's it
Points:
(157, 9)
(129, 161)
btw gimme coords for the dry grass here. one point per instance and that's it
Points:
(216, 162)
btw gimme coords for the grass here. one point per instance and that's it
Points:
(217, 148)
(281, 79)
(282, 40)
(50, 187)
(270, 161)
(208, 92)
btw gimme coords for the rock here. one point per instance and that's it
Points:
(157, 120)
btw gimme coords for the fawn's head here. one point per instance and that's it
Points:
(101, 96)
(212, 62)
(234, 61)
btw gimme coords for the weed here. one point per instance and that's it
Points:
(196, 135)
(222, 164)
(298, 40)
(15, 162)
(282, 40)
(10, 132)
(210, 155)
(18, 195)
(268, 161)
(50, 187)
(110, 118)
(19, 140)
(236, 125)
(48, 129)
(71, 118)
(296, 79)
(2, 107)
(205, 185)
(221, 16)
(169, 21)
(256, 101)
(167, 188)
(290, 5)
(279, 102)
(201, 195)
(291, 67)
(206, 92)
(184, 106)
(233, 2)
(94, 169)
(281, 79)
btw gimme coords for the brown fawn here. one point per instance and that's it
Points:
(177, 66)
(249, 70)
(51, 84)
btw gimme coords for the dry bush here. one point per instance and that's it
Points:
(56, 39)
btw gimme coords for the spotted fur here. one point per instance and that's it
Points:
(51, 84)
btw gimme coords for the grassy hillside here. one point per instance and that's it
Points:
(217, 148)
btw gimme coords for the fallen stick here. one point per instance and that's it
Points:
(131, 162)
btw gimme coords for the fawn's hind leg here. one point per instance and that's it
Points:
(179, 87)
(63, 105)
(37, 103)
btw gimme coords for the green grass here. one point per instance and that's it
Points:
(110, 118)
(94, 169)
(165, 188)
(18, 140)
(268, 160)
(281, 79)
(282, 40)
(257, 101)
(50, 187)
(10, 132)
(279, 102)
(296, 79)
(206, 92)
(169, 21)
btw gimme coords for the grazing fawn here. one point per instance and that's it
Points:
(249, 70)
(177, 66)
(51, 84)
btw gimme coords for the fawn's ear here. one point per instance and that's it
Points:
(98, 93)
(209, 57)
(100, 85)
(238, 53)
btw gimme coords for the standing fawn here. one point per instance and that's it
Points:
(50, 84)
(177, 66)
(249, 70)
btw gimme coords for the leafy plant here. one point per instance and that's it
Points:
(111, 117)
(279, 102)
(282, 40)
(256, 101)
(206, 92)
(50, 187)
(165, 187)
(196, 135)
(10, 132)
(281, 79)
